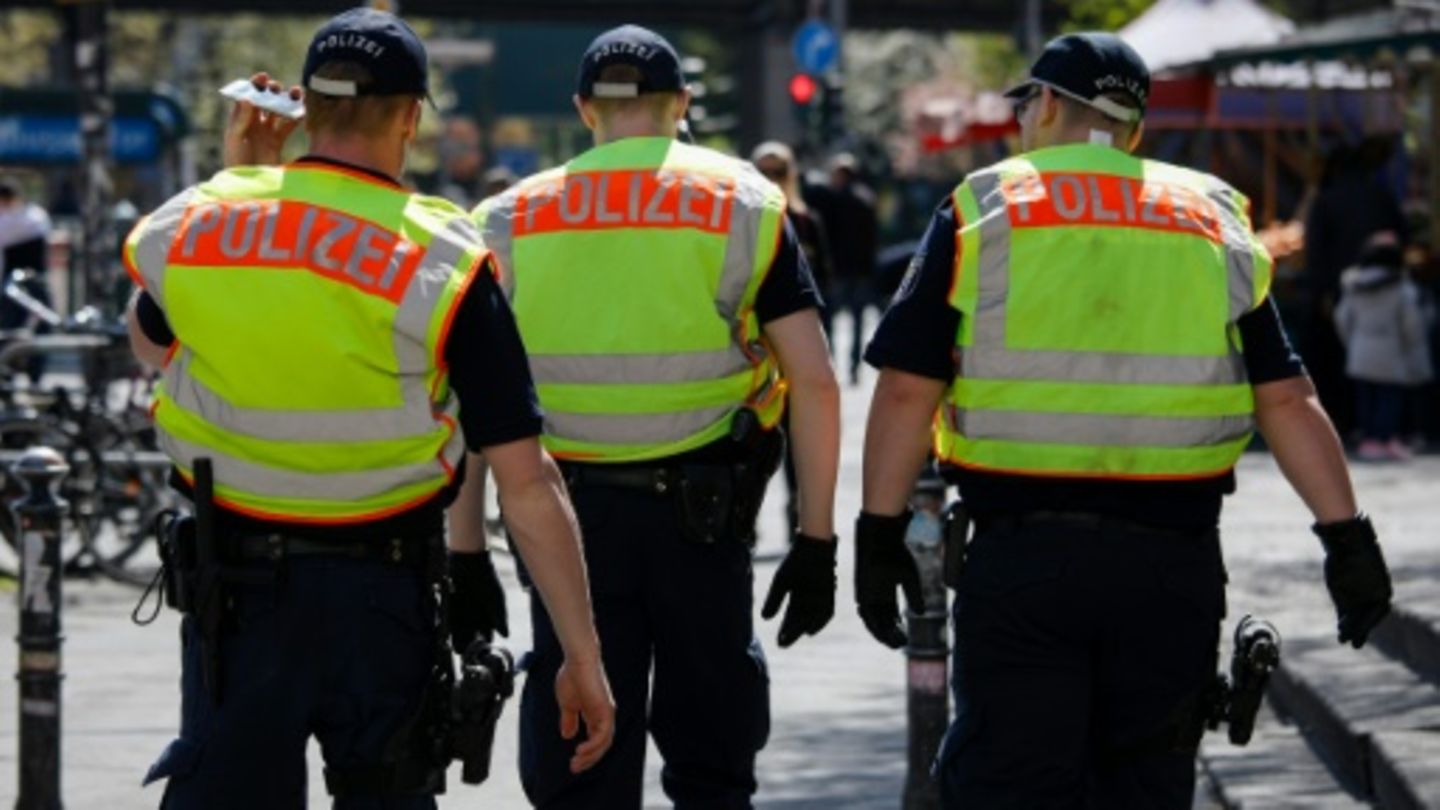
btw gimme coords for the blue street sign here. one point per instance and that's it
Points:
(816, 47)
(56, 139)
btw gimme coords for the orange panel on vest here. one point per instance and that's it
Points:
(282, 234)
(587, 201)
(1059, 199)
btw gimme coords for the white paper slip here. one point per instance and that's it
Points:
(278, 103)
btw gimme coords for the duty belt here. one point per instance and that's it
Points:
(659, 480)
(1079, 520)
(276, 547)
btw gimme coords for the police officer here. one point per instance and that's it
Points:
(1097, 333)
(320, 329)
(666, 310)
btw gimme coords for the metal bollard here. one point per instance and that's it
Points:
(927, 693)
(38, 515)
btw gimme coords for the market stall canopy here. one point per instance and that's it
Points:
(1407, 34)
(1174, 33)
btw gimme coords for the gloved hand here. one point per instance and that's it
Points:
(477, 600)
(1356, 576)
(807, 576)
(882, 563)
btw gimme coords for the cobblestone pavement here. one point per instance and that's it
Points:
(838, 702)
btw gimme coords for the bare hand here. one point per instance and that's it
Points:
(254, 137)
(584, 693)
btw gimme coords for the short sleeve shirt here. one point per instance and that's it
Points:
(917, 335)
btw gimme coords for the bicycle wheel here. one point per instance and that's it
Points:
(131, 490)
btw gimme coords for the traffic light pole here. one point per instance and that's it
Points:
(834, 101)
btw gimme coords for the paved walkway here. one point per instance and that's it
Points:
(838, 738)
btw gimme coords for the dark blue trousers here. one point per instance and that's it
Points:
(337, 648)
(670, 609)
(1075, 645)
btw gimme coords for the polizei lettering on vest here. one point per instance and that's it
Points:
(292, 235)
(627, 199)
(1056, 199)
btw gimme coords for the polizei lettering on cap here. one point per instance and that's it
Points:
(351, 42)
(627, 199)
(292, 235)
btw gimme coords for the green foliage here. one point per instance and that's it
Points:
(28, 36)
(1102, 15)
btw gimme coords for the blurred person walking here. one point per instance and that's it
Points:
(776, 161)
(24, 229)
(668, 311)
(1382, 320)
(1352, 205)
(331, 344)
(1089, 340)
(847, 207)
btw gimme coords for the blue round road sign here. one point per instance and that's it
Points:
(816, 47)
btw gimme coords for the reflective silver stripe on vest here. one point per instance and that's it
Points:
(1111, 367)
(1239, 251)
(499, 235)
(1099, 429)
(448, 247)
(637, 369)
(152, 250)
(637, 428)
(282, 425)
(742, 246)
(988, 358)
(993, 263)
(273, 482)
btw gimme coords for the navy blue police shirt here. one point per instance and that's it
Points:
(488, 371)
(917, 335)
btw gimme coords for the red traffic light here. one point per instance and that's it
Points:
(802, 88)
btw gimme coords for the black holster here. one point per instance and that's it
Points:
(722, 502)
(194, 577)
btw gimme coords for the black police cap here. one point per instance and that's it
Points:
(1089, 67)
(641, 48)
(378, 41)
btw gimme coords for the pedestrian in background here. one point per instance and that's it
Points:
(24, 262)
(667, 310)
(1382, 321)
(847, 207)
(1352, 205)
(332, 344)
(1073, 314)
(776, 161)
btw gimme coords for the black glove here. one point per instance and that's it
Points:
(477, 600)
(882, 562)
(807, 575)
(1356, 576)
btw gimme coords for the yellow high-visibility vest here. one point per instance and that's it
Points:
(311, 307)
(1099, 296)
(633, 271)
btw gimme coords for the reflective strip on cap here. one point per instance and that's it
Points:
(615, 90)
(333, 87)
